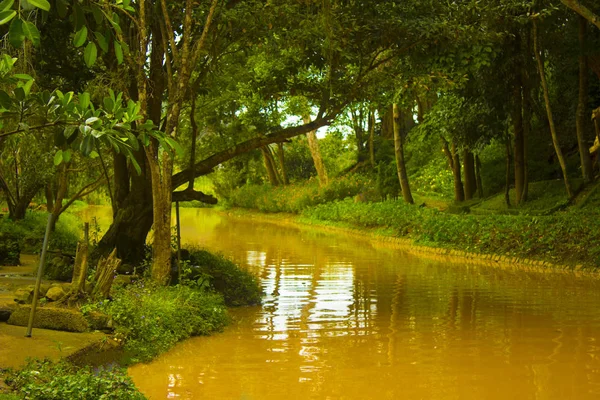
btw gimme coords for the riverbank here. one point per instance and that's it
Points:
(387, 237)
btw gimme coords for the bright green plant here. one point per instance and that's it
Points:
(44, 379)
(151, 319)
(297, 197)
(239, 287)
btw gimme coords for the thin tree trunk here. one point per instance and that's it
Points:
(526, 71)
(478, 174)
(268, 161)
(194, 139)
(584, 154)
(399, 151)
(281, 156)
(372, 137)
(507, 178)
(313, 145)
(519, 141)
(459, 192)
(447, 153)
(470, 180)
(49, 197)
(555, 141)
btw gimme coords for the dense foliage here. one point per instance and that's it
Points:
(537, 237)
(151, 319)
(30, 232)
(214, 271)
(44, 379)
(295, 198)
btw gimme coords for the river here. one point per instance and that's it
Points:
(345, 318)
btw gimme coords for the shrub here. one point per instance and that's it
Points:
(569, 237)
(238, 287)
(30, 232)
(43, 379)
(297, 197)
(10, 249)
(151, 319)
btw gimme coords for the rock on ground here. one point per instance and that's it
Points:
(60, 319)
(55, 293)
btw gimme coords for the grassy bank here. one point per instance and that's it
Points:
(568, 238)
(536, 231)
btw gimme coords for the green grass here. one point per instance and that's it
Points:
(543, 197)
(9, 397)
(151, 319)
(46, 380)
(297, 197)
(567, 237)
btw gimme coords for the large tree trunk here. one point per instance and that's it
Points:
(469, 173)
(313, 145)
(584, 154)
(555, 141)
(526, 71)
(399, 151)
(133, 220)
(459, 192)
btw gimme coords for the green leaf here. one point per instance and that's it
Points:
(43, 4)
(6, 5)
(15, 33)
(91, 120)
(84, 100)
(70, 133)
(102, 41)
(66, 155)
(5, 100)
(27, 87)
(6, 16)
(80, 37)
(20, 93)
(118, 52)
(90, 54)
(108, 104)
(174, 145)
(97, 13)
(30, 31)
(93, 154)
(25, 77)
(87, 145)
(58, 157)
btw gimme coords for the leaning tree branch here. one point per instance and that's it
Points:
(582, 10)
(190, 194)
(206, 166)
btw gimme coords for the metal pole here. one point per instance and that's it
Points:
(40, 272)
(178, 222)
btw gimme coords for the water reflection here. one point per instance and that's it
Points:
(343, 320)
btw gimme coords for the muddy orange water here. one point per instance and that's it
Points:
(342, 319)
